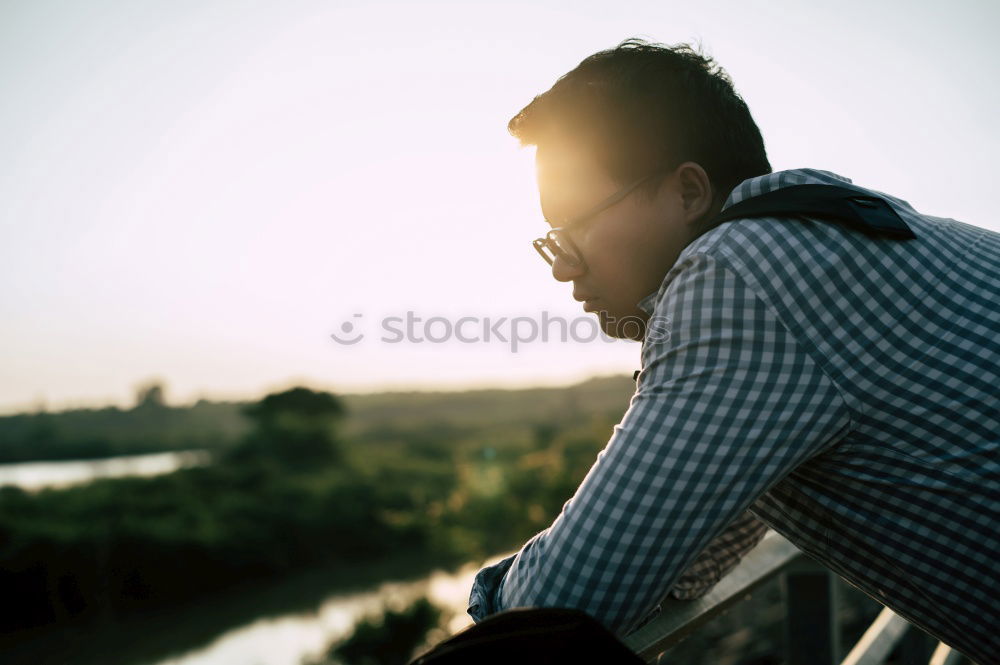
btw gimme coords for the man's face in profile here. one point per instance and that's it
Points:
(626, 249)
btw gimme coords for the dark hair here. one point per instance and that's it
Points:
(642, 107)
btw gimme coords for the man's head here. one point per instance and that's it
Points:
(624, 114)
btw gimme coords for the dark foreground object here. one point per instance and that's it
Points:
(543, 636)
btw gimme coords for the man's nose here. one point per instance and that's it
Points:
(565, 271)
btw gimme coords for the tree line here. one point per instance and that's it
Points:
(292, 492)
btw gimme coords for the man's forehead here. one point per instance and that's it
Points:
(565, 163)
(568, 179)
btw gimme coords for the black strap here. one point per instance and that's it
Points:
(858, 210)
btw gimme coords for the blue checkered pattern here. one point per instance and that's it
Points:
(839, 388)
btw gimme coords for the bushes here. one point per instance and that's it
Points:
(123, 545)
(289, 496)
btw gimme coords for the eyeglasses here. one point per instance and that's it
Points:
(557, 243)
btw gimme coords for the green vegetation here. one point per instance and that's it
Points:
(96, 433)
(403, 417)
(443, 478)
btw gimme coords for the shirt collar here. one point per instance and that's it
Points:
(756, 186)
(648, 303)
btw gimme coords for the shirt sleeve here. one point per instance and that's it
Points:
(727, 404)
(721, 556)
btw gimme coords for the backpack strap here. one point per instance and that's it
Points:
(858, 210)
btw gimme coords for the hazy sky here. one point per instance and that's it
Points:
(205, 191)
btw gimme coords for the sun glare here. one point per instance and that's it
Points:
(208, 198)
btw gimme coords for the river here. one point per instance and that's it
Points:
(289, 639)
(289, 621)
(282, 622)
(33, 476)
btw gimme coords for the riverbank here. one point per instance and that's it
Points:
(89, 566)
(166, 635)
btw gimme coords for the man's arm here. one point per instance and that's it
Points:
(727, 405)
(714, 563)
(721, 556)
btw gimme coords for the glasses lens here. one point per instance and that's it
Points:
(542, 247)
(562, 247)
(556, 245)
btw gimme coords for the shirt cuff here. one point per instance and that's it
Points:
(485, 597)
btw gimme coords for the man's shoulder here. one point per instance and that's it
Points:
(773, 228)
(785, 248)
(795, 262)
(753, 247)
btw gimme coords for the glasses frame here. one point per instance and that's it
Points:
(558, 236)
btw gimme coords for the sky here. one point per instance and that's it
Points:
(203, 192)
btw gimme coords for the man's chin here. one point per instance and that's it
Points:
(631, 326)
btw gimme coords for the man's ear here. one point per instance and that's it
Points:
(697, 194)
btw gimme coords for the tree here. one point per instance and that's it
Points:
(299, 402)
(150, 394)
(296, 428)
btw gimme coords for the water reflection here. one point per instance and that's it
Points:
(273, 623)
(33, 476)
(287, 640)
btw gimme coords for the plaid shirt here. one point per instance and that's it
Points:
(842, 389)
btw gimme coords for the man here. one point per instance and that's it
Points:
(830, 374)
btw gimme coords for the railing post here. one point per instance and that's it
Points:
(812, 630)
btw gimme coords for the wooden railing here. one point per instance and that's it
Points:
(811, 624)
